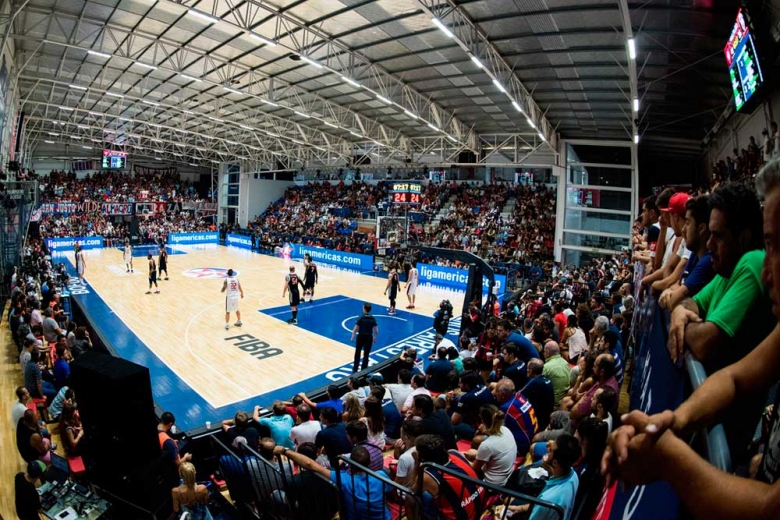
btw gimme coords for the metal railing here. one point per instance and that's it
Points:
(394, 498)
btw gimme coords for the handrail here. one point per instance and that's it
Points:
(718, 452)
(495, 490)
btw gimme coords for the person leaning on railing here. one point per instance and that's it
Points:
(647, 449)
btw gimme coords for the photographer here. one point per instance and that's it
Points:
(441, 318)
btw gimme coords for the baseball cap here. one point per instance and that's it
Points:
(677, 204)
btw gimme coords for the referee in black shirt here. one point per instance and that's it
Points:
(367, 330)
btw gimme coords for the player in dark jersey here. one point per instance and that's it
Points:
(293, 284)
(393, 283)
(152, 275)
(163, 261)
(309, 276)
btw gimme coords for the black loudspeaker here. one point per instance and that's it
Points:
(135, 230)
(114, 397)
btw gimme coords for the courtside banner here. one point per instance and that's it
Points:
(329, 256)
(454, 277)
(59, 245)
(242, 241)
(207, 237)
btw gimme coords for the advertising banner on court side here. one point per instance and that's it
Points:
(207, 237)
(242, 241)
(340, 258)
(60, 245)
(454, 277)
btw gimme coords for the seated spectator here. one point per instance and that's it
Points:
(526, 350)
(474, 395)
(418, 388)
(239, 426)
(33, 379)
(557, 370)
(516, 369)
(354, 388)
(357, 433)
(561, 488)
(494, 458)
(404, 452)
(438, 372)
(21, 405)
(71, 431)
(280, 424)
(374, 420)
(400, 391)
(30, 442)
(539, 392)
(81, 342)
(446, 496)
(307, 428)
(309, 495)
(63, 397)
(333, 400)
(604, 406)
(434, 422)
(519, 416)
(191, 497)
(266, 473)
(234, 472)
(362, 494)
(332, 440)
(26, 499)
(353, 410)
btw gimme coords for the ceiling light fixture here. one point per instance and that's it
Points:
(383, 99)
(477, 62)
(203, 16)
(410, 114)
(86, 147)
(632, 48)
(85, 127)
(67, 109)
(114, 94)
(433, 127)
(517, 106)
(355, 134)
(75, 137)
(443, 28)
(351, 81)
(245, 127)
(150, 103)
(530, 122)
(312, 62)
(636, 104)
(95, 114)
(233, 91)
(268, 102)
(452, 139)
(541, 136)
(99, 54)
(78, 87)
(331, 124)
(152, 67)
(49, 142)
(218, 120)
(499, 86)
(302, 114)
(196, 80)
(636, 138)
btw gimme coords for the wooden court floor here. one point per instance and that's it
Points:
(183, 326)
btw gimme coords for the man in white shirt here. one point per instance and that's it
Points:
(404, 451)
(604, 404)
(20, 406)
(400, 391)
(418, 388)
(306, 430)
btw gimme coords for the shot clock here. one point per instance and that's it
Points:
(406, 193)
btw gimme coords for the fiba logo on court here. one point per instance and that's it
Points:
(208, 273)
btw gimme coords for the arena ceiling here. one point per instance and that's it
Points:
(321, 81)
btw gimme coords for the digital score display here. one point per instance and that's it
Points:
(113, 160)
(742, 59)
(406, 193)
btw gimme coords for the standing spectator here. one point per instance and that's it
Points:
(27, 500)
(51, 329)
(62, 366)
(557, 369)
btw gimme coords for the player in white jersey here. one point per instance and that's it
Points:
(128, 256)
(411, 285)
(234, 290)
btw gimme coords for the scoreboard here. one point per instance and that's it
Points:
(406, 193)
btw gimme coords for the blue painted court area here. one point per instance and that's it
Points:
(335, 316)
(143, 250)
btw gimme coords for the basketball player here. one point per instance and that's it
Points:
(392, 284)
(233, 288)
(152, 275)
(411, 285)
(128, 256)
(292, 284)
(80, 263)
(163, 261)
(309, 276)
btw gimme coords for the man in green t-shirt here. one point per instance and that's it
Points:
(556, 369)
(732, 314)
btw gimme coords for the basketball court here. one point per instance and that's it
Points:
(202, 372)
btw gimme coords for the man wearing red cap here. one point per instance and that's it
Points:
(677, 256)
